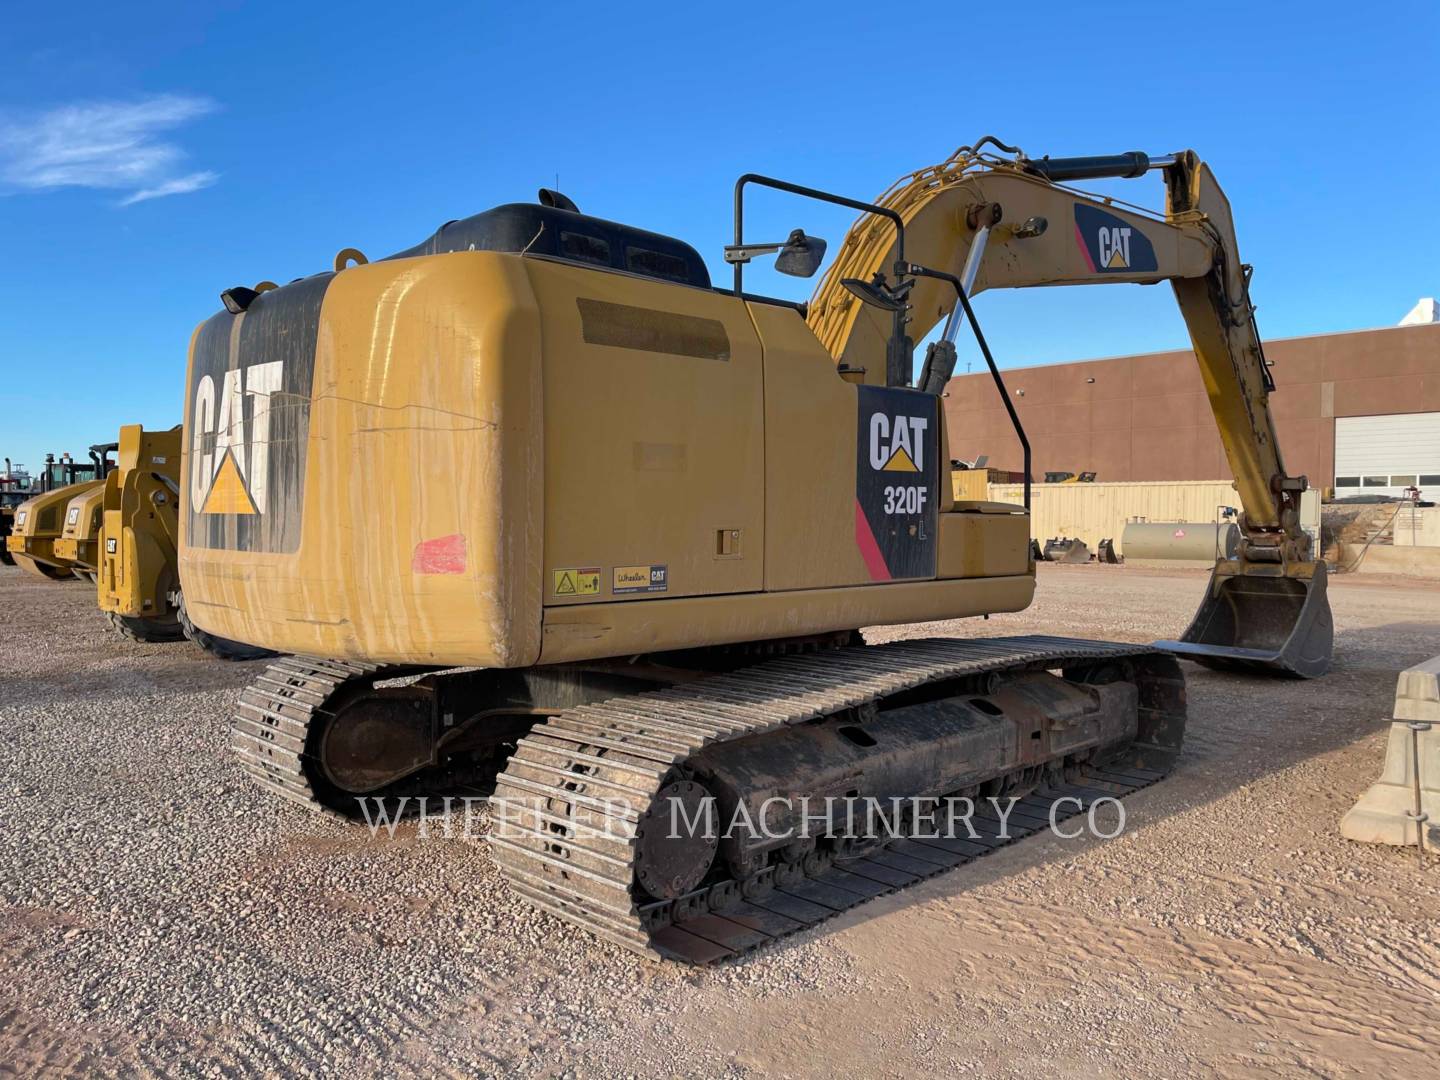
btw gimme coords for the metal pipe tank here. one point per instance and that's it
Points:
(1189, 541)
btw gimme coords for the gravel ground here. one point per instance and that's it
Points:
(163, 917)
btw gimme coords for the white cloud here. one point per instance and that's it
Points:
(114, 145)
(181, 185)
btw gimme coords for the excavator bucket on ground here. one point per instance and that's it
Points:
(1273, 625)
(1065, 549)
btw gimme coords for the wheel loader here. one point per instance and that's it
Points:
(536, 496)
(119, 532)
(79, 543)
(35, 541)
(138, 587)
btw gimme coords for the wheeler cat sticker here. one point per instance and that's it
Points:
(896, 492)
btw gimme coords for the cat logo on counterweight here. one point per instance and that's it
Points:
(231, 476)
(247, 421)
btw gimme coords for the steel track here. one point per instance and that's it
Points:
(271, 727)
(566, 850)
(568, 804)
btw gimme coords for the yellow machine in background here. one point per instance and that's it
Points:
(36, 539)
(79, 543)
(535, 492)
(39, 522)
(139, 589)
(15, 488)
(119, 532)
(138, 510)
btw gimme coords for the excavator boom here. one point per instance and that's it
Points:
(985, 222)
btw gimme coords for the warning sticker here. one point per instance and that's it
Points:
(633, 579)
(581, 581)
(72, 516)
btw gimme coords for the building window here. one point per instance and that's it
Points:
(1430, 478)
(1347, 481)
(1375, 481)
(1403, 481)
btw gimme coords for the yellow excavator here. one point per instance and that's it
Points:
(535, 496)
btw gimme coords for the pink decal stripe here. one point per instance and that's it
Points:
(443, 555)
(869, 549)
(1085, 251)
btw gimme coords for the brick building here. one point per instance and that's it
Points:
(1362, 408)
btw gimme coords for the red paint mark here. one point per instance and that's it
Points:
(1085, 251)
(443, 555)
(869, 549)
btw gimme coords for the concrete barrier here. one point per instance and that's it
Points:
(1417, 526)
(1423, 562)
(1386, 813)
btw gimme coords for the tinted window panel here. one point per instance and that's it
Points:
(656, 264)
(585, 248)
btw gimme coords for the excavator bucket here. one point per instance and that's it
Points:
(1066, 549)
(1270, 625)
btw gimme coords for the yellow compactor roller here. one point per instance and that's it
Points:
(534, 495)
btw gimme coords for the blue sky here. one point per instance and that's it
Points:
(153, 154)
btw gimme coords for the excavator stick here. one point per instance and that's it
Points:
(1274, 625)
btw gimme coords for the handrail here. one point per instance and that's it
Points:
(925, 271)
(897, 352)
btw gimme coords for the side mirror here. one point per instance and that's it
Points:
(800, 255)
(874, 293)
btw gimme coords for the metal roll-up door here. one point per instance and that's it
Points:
(1384, 455)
